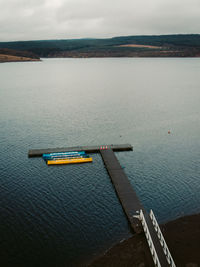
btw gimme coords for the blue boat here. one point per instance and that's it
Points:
(66, 157)
(64, 154)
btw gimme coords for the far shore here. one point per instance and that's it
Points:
(10, 58)
(171, 45)
(183, 239)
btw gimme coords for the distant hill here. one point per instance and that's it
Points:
(180, 45)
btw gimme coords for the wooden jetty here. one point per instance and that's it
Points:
(125, 192)
(88, 149)
(130, 202)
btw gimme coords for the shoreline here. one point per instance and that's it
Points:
(183, 239)
(5, 59)
(10, 55)
(15, 59)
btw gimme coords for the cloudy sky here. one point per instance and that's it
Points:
(62, 19)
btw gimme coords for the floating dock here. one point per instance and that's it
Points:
(130, 202)
(125, 192)
(88, 149)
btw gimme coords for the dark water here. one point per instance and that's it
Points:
(64, 215)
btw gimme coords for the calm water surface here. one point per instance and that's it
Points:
(64, 215)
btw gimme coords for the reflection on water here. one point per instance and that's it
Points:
(58, 216)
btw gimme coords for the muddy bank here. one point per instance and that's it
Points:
(10, 55)
(182, 237)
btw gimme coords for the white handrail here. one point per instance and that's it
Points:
(162, 240)
(149, 240)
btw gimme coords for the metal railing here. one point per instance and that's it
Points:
(162, 240)
(149, 240)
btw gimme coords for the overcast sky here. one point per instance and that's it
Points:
(63, 19)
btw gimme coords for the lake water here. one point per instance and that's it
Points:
(64, 215)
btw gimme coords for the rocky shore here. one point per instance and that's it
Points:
(182, 237)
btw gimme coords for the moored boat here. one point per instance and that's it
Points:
(68, 161)
(63, 154)
(66, 157)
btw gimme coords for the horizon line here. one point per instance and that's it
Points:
(100, 38)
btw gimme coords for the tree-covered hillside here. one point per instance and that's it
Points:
(158, 45)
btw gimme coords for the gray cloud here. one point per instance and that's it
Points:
(51, 19)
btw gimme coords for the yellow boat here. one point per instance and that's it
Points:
(68, 161)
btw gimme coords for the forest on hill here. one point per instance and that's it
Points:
(180, 45)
